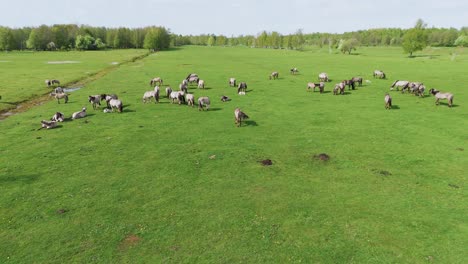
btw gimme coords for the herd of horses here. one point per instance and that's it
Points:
(182, 96)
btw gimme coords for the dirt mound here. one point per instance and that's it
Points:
(129, 241)
(266, 162)
(322, 157)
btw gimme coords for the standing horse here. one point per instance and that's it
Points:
(339, 88)
(168, 91)
(151, 94)
(232, 82)
(312, 86)
(107, 97)
(95, 100)
(158, 80)
(183, 87)
(293, 71)
(398, 83)
(201, 84)
(438, 95)
(190, 99)
(193, 79)
(59, 96)
(274, 75)
(239, 116)
(203, 101)
(323, 77)
(350, 84)
(357, 80)
(242, 88)
(115, 104)
(379, 74)
(388, 101)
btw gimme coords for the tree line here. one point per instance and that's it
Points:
(70, 36)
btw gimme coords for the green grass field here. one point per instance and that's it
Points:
(24, 73)
(168, 183)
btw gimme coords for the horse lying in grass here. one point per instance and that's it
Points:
(79, 114)
(58, 117)
(379, 74)
(438, 95)
(52, 82)
(48, 124)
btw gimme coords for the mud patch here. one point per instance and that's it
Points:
(63, 62)
(383, 173)
(129, 241)
(322, 157)
(266, 162)
(62, 211)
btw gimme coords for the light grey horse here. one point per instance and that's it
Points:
(116, 104)
(274, 75)
(379, 74)
(168, 91)
(183, 87)
(79, 114)
(177, 95)
(201, 84)
(397, 84)
(323, 77)
(190, 99)
(357, 80)
(312, 86)
(158, 80)
(151, 94)
(438, 95)
(48, 124)
(203, 102)
(107, 97)
(232, 82)
(52, 82)
(239, 116)
(59, 96)
(339, 88)
(388, 101)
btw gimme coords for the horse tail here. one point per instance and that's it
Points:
(120, 107)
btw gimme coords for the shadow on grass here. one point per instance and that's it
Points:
(250, 123)
(215, 109)
(21, 179)
(423, 56)
(395, 107)
(10, 103)
(446, 104)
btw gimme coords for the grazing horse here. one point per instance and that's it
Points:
(438, 95)
(323, 77)
(185, 82)
(388, 101)
(191, 75)
(379, 74)
(274, 75)
(225, 98)
(312, 86)
(107, 97)
(398, 83)
(201, 84)
(115, 104)
(232, 82)
(59, 90)
(350, 84)
(242, 88)
(59, 96)
(193, 79)
(357, 80)
(79, 114)
(183, 87)
(339, 88)
(203, 102)
(239, 116)
(151, 94)
(293, 71)
(156, 80)
(58, 117)
(190, 99)
(168, 91)
(95, 100)
(177, 95)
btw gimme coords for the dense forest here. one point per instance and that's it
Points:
(82, 37)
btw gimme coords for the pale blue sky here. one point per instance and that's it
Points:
(237, 16)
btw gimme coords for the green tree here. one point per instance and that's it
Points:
(7, 41)
(415, 39)
(39, 38)
(211, 41)
(84, 42)
(98, 44)
(348, 45)
(157, 38)
(462, 41)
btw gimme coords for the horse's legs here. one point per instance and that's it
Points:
(437, 101)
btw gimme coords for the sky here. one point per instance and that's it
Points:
(238, 17)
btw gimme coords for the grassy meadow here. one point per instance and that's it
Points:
(168, 183)
(24, 73)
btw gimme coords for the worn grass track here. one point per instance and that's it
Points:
(167, 183)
